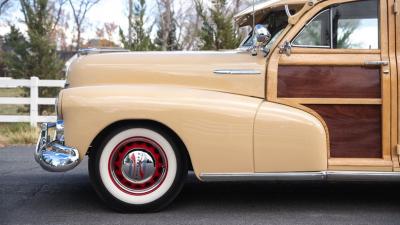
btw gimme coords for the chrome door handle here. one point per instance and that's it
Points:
(237, 72)
(376, 63)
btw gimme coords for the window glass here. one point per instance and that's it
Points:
(316, 33)
(355, 25)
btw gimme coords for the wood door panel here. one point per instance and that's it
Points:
(354, 130)
(328, 82)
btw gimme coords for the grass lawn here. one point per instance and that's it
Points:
(13, 109)
(17, 133)
(11, 92)
(47, 110)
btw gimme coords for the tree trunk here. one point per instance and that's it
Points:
(78, 39)
(130, 15)
(237, 6)
(167, 24)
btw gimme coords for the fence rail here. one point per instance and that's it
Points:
(34, 101)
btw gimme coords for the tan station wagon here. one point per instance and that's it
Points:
(311, 94)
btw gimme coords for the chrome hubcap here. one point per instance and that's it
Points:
(138, 167)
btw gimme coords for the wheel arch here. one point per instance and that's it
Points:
(135, 122)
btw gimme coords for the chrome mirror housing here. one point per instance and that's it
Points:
(261, 38)
(262, 35)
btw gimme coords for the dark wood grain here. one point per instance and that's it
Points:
(328, 82)
(354, 130)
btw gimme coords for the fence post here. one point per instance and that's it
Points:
(34, 101)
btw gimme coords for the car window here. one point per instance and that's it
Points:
(316, 33)
(353, 25)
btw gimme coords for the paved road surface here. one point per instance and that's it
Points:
(29, 195)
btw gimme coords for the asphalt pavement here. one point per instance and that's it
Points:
(30, 195)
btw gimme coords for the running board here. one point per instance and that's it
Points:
(304, 176)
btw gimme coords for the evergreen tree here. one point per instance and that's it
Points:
(217, 31)
(16, 54)
(42, 56)
(171, 43)
(138, 38)
(34, 55)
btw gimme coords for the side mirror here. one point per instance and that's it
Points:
(286, 48)
(263, 36)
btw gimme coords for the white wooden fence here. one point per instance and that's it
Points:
(34, 83)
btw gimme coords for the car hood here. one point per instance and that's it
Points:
(192, 69)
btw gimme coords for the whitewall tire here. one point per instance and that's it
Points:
(138, 168)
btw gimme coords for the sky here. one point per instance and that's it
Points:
(108, 11)
(105, 11)
(112, 11)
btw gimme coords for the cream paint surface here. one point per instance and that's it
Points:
(216, 127)
(288, 139)
(189, 69)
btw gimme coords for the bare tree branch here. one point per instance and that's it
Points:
(58, 14)
(80, 15)
(4, 4)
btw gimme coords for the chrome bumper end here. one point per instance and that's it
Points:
(53, 155)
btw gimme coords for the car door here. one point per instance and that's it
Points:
(338, 71)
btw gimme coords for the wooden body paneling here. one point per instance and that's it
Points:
(328, 82)
(354, 130)
(395, 56)
(344, 109)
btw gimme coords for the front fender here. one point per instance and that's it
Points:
(216, 127)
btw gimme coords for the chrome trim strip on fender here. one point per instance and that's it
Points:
(237, 72)
(304, 176)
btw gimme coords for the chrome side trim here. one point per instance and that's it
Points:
(237, 72)
(262, 176)
(304, 176)
(362, 176)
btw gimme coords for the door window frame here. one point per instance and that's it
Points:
(330, 9)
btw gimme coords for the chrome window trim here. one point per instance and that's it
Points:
(312, 46)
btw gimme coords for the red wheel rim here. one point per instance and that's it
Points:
(138, 166)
